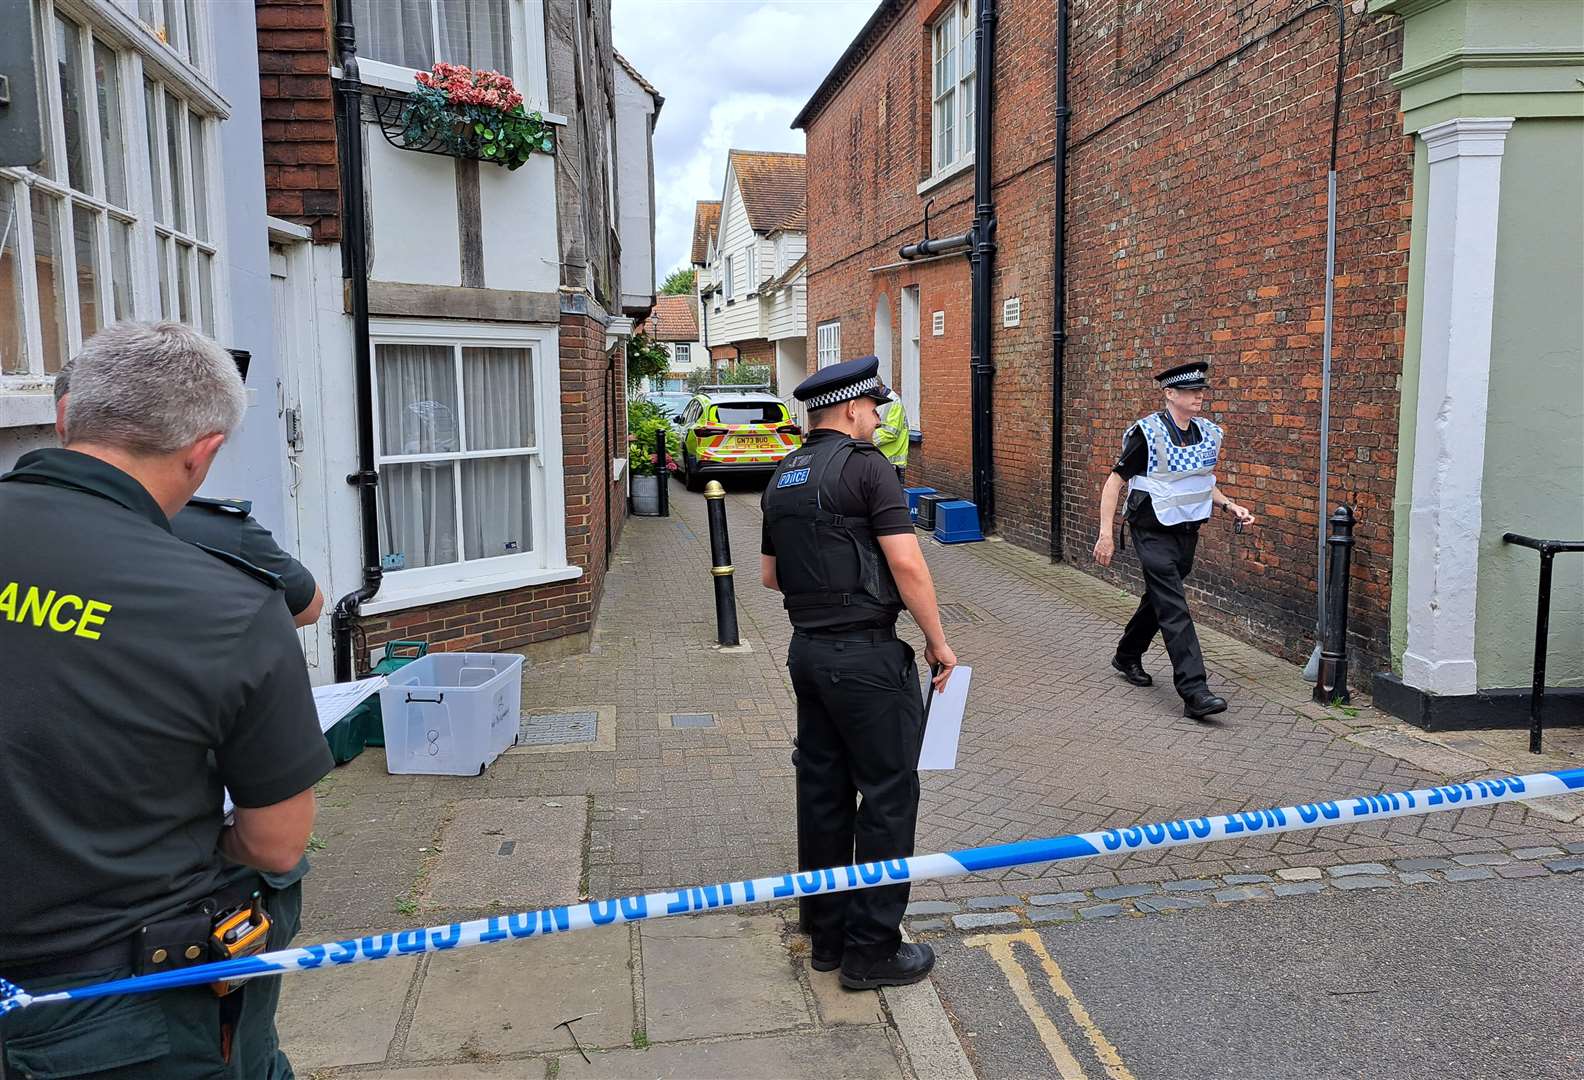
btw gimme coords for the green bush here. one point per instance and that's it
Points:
(644, 418)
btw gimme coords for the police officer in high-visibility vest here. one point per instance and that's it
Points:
(839, 545)
(141, 677)
(892, 434)
(1168, 466)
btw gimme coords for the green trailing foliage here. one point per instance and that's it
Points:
(646, 359)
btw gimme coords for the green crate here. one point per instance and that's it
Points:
(364, 726)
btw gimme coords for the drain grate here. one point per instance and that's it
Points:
(579, 727)
(692, 719)
(957, 613)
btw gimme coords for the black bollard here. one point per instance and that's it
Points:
(720, 555)
(1331, 684)
(662, 474)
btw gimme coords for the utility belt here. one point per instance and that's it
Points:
(229, 924)
(882, 633)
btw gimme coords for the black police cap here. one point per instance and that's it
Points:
(843, 382)
(1185, 376)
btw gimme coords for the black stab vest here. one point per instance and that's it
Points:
(829, 566)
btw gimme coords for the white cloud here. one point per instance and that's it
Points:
(733, 74)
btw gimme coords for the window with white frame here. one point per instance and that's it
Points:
(952, 50)
(120, 219)
(730, 277)
(682, 356)
(753, 268)
(828, 343)
(469, 478)
(416, 33)
(177, 23)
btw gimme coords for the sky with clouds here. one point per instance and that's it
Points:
(733, 74)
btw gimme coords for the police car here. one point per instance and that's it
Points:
(734, 430)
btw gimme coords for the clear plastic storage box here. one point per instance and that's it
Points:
(451, 713)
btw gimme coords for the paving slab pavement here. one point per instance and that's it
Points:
(517, 853)
(842, 1052)
(719, 975)
(511, 998)
(343, 1017)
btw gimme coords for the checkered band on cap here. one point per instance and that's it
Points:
(1183, 377)
(844, 393)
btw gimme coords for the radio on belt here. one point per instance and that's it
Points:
(243, 931)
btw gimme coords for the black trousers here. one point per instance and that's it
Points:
(1166, 557)
(860, 726)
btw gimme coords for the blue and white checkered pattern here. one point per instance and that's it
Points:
(1166, 457)
(841, 394)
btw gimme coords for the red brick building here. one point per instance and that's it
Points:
(1195, 229)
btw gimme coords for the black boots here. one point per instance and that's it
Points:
(909, 964)
(1203, 704)
(1132, 670)
(826, 959)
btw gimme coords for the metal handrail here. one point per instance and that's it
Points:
(1548, 549)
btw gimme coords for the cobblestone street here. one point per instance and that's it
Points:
(1054, 742)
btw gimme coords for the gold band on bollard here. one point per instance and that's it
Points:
(723, 571)
(713, 490)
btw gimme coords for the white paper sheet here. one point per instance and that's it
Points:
(943, 723)
(338, 699)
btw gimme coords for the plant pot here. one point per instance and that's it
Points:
(646, 496)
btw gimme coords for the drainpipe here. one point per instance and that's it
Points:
(980, 259)
(354, 249)
(1058, 282)
(1312, 669)
(979, 245)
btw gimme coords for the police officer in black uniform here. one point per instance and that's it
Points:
(1168, 466)
(142, 675)
(838, 543)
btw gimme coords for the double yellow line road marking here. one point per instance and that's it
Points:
(999, 946)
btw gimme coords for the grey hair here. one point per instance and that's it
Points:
(151, 388)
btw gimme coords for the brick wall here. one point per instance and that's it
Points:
(593, 402)
(1196, 214)
(1197, 231)
(753, 351)
(301, 182)
(869, 149)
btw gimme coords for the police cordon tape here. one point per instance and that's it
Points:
(701, 898)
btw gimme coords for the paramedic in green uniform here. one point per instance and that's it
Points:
(142, 676)
(227, 529)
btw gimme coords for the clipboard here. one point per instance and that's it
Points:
(943, 717)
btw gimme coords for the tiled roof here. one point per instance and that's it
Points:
(706, 217)
(640, 80)
(782, 280)
(673, 319)
(774, 188)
